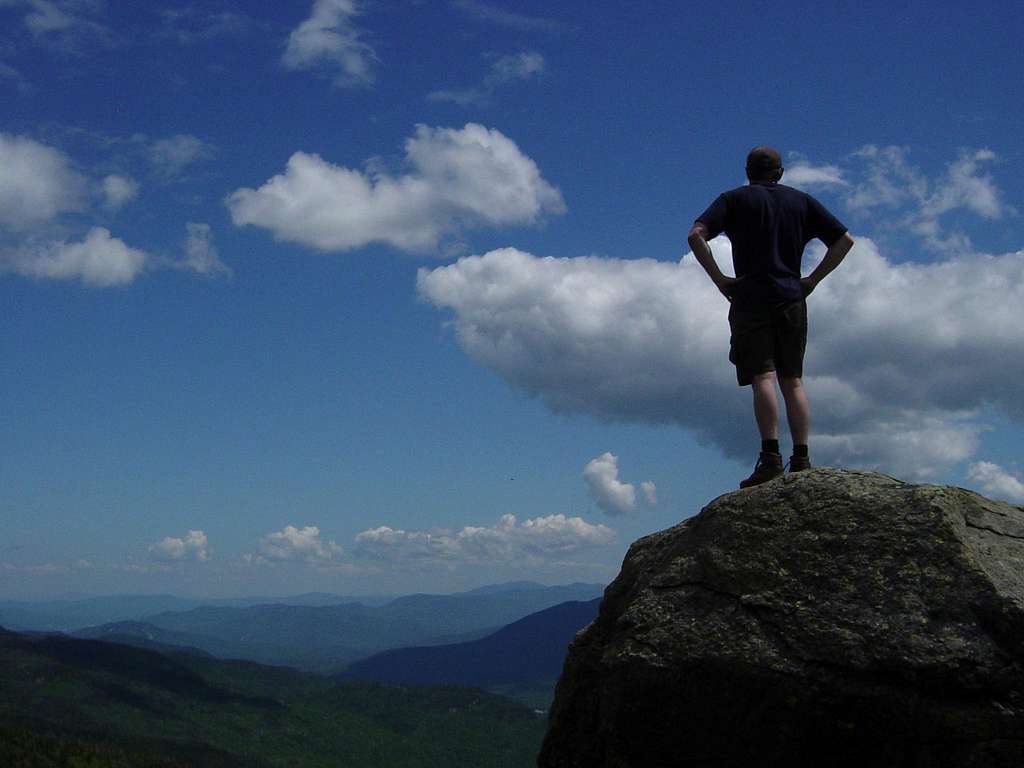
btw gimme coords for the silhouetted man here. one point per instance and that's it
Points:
(768, 225)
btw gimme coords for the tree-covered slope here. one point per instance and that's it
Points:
(530, 650)
(105, 702)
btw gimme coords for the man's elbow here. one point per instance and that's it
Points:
(698, 234)
(840, 247)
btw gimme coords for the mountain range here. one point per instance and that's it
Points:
(523, 659)
(326, 638)
(63, 615)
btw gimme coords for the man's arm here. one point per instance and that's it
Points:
(833, 258)
(699, 245)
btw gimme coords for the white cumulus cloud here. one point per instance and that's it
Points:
(100, 260)
(611, 494)
(539, 539)
(996, 481)
(118, 190)
(299, 545)
(901, 357)
(330, 40)
(193, 546)
(38, 183)
(460, 179)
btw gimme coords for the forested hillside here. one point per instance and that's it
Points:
(71, 702)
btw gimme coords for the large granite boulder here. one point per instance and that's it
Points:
(827, 618)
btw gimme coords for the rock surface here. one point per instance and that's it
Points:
(827, 618)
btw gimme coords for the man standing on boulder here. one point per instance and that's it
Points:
(768, 225)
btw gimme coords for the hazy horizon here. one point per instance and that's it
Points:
(81, 596)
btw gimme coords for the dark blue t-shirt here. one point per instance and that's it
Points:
(768, 225)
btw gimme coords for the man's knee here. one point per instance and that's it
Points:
(790, 383)
(793, 392)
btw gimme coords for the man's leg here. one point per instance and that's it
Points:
(766, 405)
(766, 411)
(798, 409)
(790, 344)
(798, 413)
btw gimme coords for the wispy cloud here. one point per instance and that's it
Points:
(460, 179)
(47, 569)
(803, 175)
(650, 492)
(192, 25)
(201, 256)
(504, 70)
(67, 26)
(874, 180)
(171, 156)
(502, 17)
(14, 76)
(82, 566)
(330, 41)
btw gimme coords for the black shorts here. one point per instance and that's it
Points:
(768, 339)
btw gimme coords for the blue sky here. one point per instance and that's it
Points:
(393, 296)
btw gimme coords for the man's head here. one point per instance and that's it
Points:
(764, 164)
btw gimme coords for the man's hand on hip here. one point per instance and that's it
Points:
(726, 285)
(702, 251)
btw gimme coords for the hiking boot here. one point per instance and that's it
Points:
(799, 463)
(768, 467)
